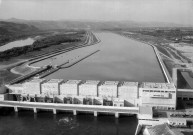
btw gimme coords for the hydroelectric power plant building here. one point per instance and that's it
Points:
(158, 95)
(107, 93)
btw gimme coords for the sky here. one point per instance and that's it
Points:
(175, 11)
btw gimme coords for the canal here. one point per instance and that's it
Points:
(118, 59)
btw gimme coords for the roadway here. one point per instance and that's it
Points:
(77, 107)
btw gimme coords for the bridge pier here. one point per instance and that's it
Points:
(35, 110)
(95, 113)
(16, 109)
(116, 115)
(54, 111)
(74, 112)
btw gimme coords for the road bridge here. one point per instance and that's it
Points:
(96, 109)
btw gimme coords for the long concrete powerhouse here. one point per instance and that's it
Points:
(108, 95)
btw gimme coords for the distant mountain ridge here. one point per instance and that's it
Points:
(96, 25)
(11, 28)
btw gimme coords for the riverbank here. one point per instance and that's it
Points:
(168, 77)
(44, 43)
(8, 64)
(26, 68)
(172, 58)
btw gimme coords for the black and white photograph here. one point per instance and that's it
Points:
(96, 67)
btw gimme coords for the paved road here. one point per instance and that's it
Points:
(127, 110)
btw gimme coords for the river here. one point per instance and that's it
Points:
(45, 123)
(18, 43)
(118, 59)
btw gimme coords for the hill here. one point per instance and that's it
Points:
(94, 25)
(11, 28)
(10, 31)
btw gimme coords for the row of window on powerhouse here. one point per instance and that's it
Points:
(159, 91)
(163, 108)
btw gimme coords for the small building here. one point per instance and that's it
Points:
(33, 86)
(70, 87)
(89, 88)
(108, 89)
(158, 95)
(51, 87)
(129, 92)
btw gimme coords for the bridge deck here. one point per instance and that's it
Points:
(77, 107)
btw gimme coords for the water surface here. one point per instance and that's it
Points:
(45, 123)
(119, 58)
(18, 43)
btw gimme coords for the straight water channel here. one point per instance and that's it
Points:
(118, 59)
